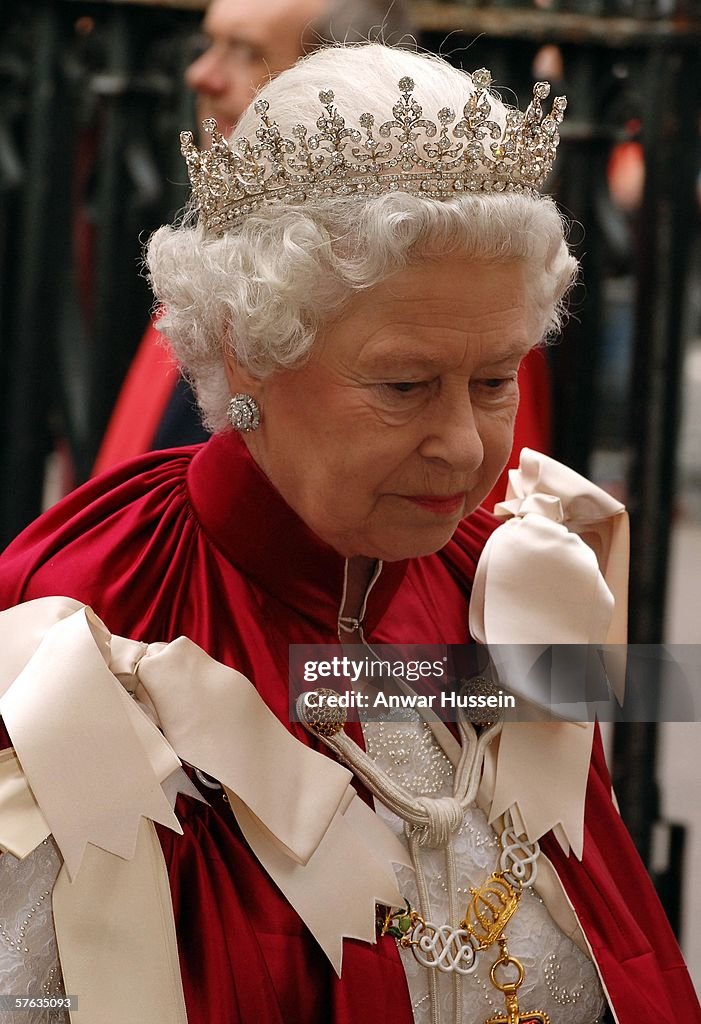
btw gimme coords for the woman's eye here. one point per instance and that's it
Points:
(496, 383)
(396, 389)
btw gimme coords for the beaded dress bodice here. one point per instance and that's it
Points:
(560, 978)
(29, 966)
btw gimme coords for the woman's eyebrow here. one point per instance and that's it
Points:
(516, 351)
(415, 359)
(419, 359)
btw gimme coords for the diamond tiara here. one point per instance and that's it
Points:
(407, 153)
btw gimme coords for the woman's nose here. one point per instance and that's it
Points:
(453, 436)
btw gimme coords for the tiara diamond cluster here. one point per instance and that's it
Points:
(407, 153)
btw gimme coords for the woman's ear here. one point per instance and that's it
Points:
(239, 379)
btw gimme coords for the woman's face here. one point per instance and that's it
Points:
(402, 419)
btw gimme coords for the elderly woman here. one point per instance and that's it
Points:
(365, 265)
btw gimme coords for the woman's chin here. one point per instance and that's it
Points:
(399, 548)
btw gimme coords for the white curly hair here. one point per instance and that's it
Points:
(261, 292)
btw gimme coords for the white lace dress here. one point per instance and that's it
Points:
(28, 956)
(559, 978)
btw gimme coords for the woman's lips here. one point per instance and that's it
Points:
(441, 506)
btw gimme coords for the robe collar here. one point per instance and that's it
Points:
(252, 525)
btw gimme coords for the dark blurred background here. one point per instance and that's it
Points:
(92, 100)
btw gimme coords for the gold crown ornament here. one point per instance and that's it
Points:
(407, 153)
(492, 905)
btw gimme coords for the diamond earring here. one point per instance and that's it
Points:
(243, 413)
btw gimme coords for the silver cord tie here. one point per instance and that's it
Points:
(445, 816)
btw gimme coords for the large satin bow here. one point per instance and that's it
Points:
(90, 766)
(555, 572)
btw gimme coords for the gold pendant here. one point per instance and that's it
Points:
(534, 1017)
(490, 909)
(513, 1015)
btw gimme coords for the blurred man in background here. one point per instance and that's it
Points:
(244, 44)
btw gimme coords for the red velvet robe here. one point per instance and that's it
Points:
(195, 541)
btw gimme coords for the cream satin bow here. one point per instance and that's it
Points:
(555, 572)
(90, 766)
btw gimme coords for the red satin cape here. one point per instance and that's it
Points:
(196, 541)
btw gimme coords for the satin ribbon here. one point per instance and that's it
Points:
(555, 572)
(90, 766)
